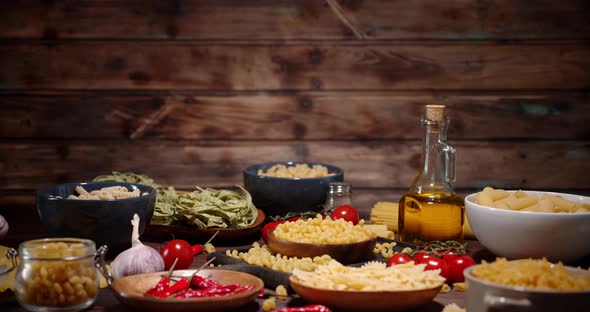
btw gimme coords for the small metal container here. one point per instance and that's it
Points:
(58, 274)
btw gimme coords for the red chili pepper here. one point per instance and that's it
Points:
(193, 293)
(203, 282)
(180, 285)
(308, 308)
(161, 286)
(197, 249)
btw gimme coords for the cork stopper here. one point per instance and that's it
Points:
(435, 112)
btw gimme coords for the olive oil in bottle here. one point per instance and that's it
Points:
(431, 210)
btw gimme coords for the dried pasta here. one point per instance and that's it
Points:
(105, 193)
(520, 200)
(385, 213)
(262, 256)
(531, 273)
(323, 231)
(385, 249)
(373, 276)
(297, 171)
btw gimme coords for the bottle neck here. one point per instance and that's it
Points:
(437, 174)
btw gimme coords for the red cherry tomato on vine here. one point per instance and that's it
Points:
(421, 257)
(346, 212)
(269, 227)
(398, 259)
(438, 263)
(456, 266)
(177, 248)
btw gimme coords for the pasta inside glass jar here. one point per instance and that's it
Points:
(57, 274)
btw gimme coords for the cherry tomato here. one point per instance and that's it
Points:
(422, 256)
(456, 266)
(177, 248)
(398, 258)
(269, 227)
(346, 212)
(438, 263)
(294, 219)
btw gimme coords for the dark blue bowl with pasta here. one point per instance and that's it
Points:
(278, 196)
(105, 221)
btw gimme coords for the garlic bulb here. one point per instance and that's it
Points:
(3, 227)
(138, 259)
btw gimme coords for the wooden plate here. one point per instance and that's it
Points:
(348, 300)
(162, 233)
(130, 291)
(344, 253)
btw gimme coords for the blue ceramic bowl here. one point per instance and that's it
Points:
(106, 222)
(279, 196)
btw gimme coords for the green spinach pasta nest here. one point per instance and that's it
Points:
(207, 208)
(204, 208)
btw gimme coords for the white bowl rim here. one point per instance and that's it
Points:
(469, 198)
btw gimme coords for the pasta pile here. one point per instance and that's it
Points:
(297, 171)
(323, 231)
(373, 276)
(204, 208)
(520, 200)
(386, 249)
(385, 213)
(262, 256)
(531, 273)
(208, 208)
(166, 198)
(105, 193)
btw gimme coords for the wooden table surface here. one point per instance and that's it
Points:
(106, 300)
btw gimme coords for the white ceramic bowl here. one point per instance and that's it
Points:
(523, 234)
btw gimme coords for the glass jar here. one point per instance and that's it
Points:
(58, 274)
(339, 193)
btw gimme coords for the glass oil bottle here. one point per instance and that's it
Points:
(431, 210)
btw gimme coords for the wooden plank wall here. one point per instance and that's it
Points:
(191, 92)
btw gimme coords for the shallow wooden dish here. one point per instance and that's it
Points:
(348, 300)
(344, 253)
(160, 233)
(130, 291)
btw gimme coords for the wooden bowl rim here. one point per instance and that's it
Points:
(256, 282)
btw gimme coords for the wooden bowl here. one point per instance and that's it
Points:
(130, 291)
(348, 300)
(226, 236)
(343, 253)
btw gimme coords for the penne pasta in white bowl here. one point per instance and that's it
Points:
(516, 231)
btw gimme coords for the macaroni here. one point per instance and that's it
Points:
(57, 283)
(530, 273)
(262, 256)
(322, 231)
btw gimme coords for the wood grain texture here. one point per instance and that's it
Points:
(295, 20)
(292, 116)
(173, 66)
(370, 164)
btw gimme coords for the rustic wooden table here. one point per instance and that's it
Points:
(106, 300)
